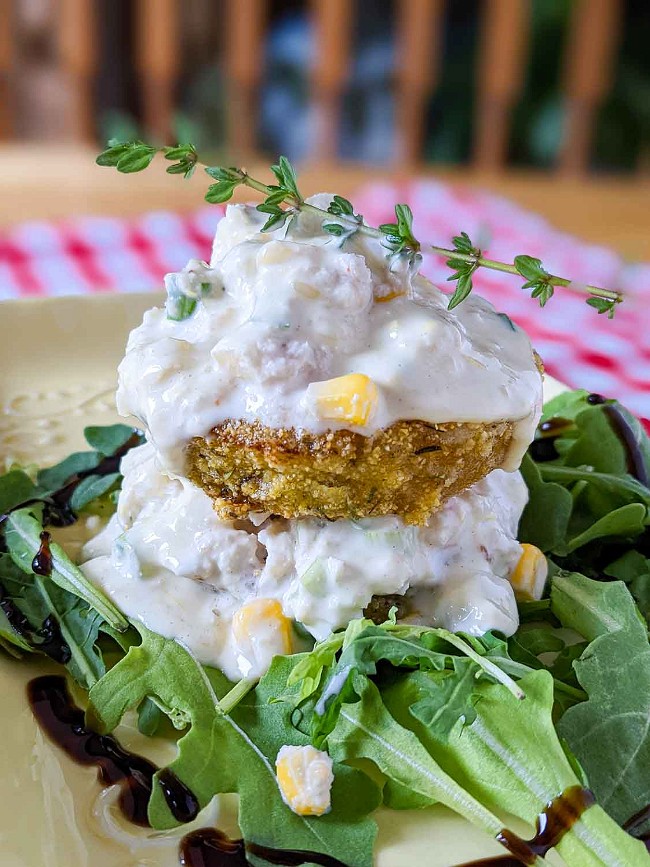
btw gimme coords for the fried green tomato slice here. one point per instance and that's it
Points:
(407, 469)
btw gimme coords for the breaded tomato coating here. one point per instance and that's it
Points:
(407, 469)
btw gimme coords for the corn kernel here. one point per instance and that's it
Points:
(346, 398)
(389, 296)
(305, 779)
(529, 575)
(260, 631)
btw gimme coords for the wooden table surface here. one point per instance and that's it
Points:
(57, 182)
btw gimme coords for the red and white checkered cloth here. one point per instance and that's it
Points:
(102, 254)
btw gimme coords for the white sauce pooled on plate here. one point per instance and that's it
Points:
(167, 560)
(278, 312)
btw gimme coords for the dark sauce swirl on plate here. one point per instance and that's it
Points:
(64, 723)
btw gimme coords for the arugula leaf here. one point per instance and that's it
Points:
(545, 519)
(150, 717)
(448, 698)
(366, 730)
(589, 496)
(10, 639)
(510, 759)
(233, 753)
(311, 667)
(566, 405)
(15, 487)
(108, 439)
(40, 601)
(91, 488)
(610, 732)
(22, 536)
(628, 521)
(366, 647)
(594, 443)
(633, 568)
(53, 478)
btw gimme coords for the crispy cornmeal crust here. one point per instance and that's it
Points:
(407, 469)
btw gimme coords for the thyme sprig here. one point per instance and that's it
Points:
(283, 201)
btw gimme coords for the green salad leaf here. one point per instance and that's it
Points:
(442, 734)
(234, 752)
(545, 519)
(22, 536)
(108, 439)
(510, 759)
(16, 487)
(53, 478)
(610, 732)
(44, 603)
(367, 730)
(91, 488)
(634, 569)
(588, 474)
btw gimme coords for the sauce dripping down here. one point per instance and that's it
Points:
(42, 562)
(64, 724)
(181, 801)
(637, 821)
(16, 618)
(52, 641)
(558, 817)
(210, 847)
(47, 639)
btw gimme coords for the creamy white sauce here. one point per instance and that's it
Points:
(273, 314)
(167, 560)
(278, 312)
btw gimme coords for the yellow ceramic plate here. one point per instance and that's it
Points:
(58, 359)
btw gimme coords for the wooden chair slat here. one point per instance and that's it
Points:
(77, 41)
(244, 64)
(332, 26)
(419, 56)
(157, 60)
(6, 63)
(589, 70)
(500, 77)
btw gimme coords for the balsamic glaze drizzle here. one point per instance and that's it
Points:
(637, 821)
(635, 461)
(42, 562)
(210, 847)
(15, 617)
(542, 447)
(47, 639)
(64, 724)
(181, 801)
(552, 426)
(52, 642)
(559, 816)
